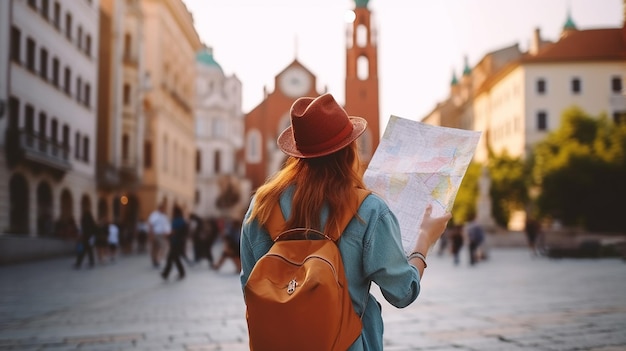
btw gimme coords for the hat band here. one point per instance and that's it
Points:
(343, 134)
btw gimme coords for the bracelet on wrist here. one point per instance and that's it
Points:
(417, 254)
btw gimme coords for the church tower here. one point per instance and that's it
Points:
(362, 77)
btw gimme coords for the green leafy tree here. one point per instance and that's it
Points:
(509, 190)
(465, 202)
(581, 169)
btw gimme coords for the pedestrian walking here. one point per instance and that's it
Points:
(159, 228)
(102, 240)
(456, 242)
(231, 249)
(177, 240)
(88, 230)
(475, 236)
(532, 230)
(114, 240)
(320, 179)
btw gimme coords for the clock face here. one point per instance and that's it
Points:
(295, 82)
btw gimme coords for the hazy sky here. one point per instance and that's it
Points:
(419, 42)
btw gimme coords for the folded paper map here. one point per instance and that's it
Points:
(417, 164)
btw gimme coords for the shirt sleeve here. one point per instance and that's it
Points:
(385, 263)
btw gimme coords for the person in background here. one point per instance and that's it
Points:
(177, 240)
(475, 236)
(159, 228)
(102, 240)
(88, 229)
(114, 240)
(232, 237)
(320, 177)
(456, 242)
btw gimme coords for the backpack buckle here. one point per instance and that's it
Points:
(291, 287)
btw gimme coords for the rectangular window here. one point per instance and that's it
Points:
(576, 86)
(44, 9)
(16, 44)
(126, 94)
(43, 63)
(541, 86)
(68, 26)
(88, 45)
(616, 85)
(14, 113)
(68, 81)
(79, 88)
(57, 15)
(147, 154)
(77, 145)
(32, 4)
(54, 131)
(198, 161)
(66, 136)
(79, 39)
(43, 125)
(30, 54)
(55, 72)
(125, 147)
(619, 117)
(87, 95)
(86, 149)
(542, 120)
(29, 124)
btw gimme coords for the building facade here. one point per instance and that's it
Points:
(267, 120)
(48, 132)
(121, 122)
(170, 45)
(221, 187)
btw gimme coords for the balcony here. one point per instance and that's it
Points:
(112, 177)
(37, 152)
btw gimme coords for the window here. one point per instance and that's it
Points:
(43, 124)
(68, 81)
(217, 161)
(127, 46)
(126, 94)
(43, 63)
(198, 161)
(29, 121)
(66, 136)
(54, 131)
(542, 120)
(147, 154)
(541, 86)
(14, 113)
(79, 88)
(68, 26)
(44, 9)
(125, 146)
(77, 145)
(55, 72)
(86, 149)
(30, 54)
(88, 45)
(197, 197)
(87, 95)
(616, 85)
(619, 117)
(32, 4)
(79, 39)
(57, 15)
(576, 85)
(16, 38)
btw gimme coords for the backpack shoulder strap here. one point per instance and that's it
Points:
(276, 223)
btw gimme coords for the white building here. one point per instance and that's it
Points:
(220, 185)
(47, 163)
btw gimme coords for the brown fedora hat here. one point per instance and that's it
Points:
(319, 127)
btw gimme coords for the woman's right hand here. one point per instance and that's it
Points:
(431, 229)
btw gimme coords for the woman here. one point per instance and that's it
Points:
(320, 178)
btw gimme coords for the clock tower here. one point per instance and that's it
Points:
(362, 77)
(265, 122)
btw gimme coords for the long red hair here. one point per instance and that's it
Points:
(330, 180)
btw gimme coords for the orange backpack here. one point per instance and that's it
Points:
(297, 294)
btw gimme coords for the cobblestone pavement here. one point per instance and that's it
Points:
(510, 302)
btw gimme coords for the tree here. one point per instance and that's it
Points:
(465, 202)
(509, 190)
(581, 168)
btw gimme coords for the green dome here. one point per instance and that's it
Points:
(205, 57)
(361, 3)
(569, 23)
(454, 80)
(466, 70)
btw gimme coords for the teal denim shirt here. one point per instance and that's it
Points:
(371, 251)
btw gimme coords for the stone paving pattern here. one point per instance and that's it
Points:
(510, 302)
